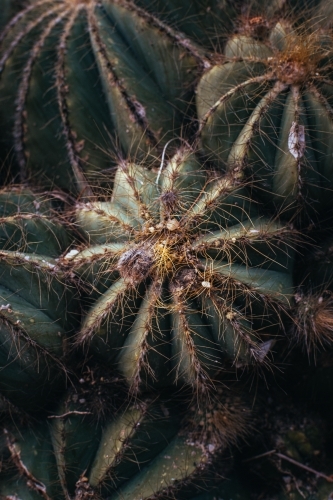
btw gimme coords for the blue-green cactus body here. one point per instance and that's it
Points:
(82, 81)
(266, 112)
(37, 312)
(184, 265)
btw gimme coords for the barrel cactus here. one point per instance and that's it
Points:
(82, 83)
(265, 112)
(187, 277)
(37, 310)
(80, 79)
(145, 450)
(184, 282)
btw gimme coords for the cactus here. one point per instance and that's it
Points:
(30, 453)
(84, 82)
(185, 267)
(265, 112)
(185, 283)
(313, 314)
(206, 22)
(36, 306)
(73, 74)
(145, 450)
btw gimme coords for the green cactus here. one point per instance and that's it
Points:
(265, 112)
(185, 281)
(84, 82)
(37, 311)
(145, 450)
(185, 274)
(207, 22)
(31, 457)
(73, 74)
(313, 324)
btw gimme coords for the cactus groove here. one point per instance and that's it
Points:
(37, 311)
(166, 316)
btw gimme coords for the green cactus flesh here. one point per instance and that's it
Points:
(36, 307)
(189, 275)
(207, 22)
(185, 284)
(266, 111)
(74, 73)
(31, 454)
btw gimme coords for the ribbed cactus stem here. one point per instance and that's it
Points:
(186, 260)
(87, 77)
(35, 303)
(261, 112)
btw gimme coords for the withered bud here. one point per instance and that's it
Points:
(136, 264)
(169, 200)
(183, 280)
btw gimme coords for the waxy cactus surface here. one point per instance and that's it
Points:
(146, 307)
(146, 450)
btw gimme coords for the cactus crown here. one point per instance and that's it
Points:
(300, 58)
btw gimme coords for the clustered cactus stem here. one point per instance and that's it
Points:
(166, 307)
(37, 311)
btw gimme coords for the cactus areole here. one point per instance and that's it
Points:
(185, 267)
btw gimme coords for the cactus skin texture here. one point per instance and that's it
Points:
(145, 450)
(266, 112)
(36, 307)
(73, 74)
(84, 82)
(191, 277)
